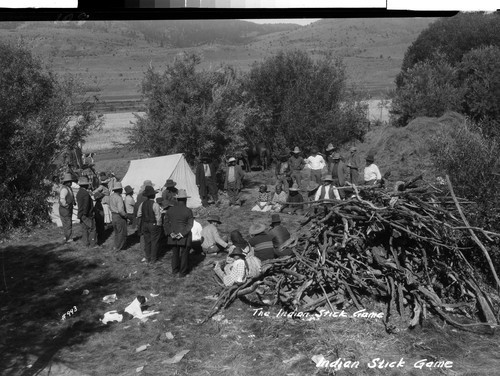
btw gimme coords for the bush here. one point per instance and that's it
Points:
(35, 111)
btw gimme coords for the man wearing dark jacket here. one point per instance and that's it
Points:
(86, 213)
(177, 226)
(280, 235)
(206, 180)
(233, 182)
(149, 217)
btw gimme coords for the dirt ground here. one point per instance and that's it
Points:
(41, 279)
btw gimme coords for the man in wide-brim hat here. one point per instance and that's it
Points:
(233, 182)
(354, 166)
(66, 205)
(129, 204)
(86, 213)
(212, 241)
(372, 173)
(150, 224)
(327, 191)
(169, 193)
(296, 163)
(261, 242)
(178, 223)
(280, 235)
(119, 217)
(295, 201)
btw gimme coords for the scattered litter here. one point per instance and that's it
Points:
(218, 317)
(112, 316)
(139, 369)
(143, 260)
(211, 297)
(142, 348)
(66, 289)
(177, 358)
(318, 359)
(126, 327)
(29, 366)
(110, 299)
(267, 301)
(169, 335)
(154, 295)
(135, 272)
(135, 309)
(85, 292)
(155, 320)
(294, 359)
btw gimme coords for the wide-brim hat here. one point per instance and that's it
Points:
(128, 189)
(237, 251)
(275, 218)
(329, 147)
(68, 177)
(327, 178)
(149, 191)
(117, 186)
(370, 158)
(214, 218)
(232, 159)
(294, 187)
(311, 186)
(296, 150)
(336, 156)
(256, 229)
(148, 183)
(170, 183)
(182, 194)
(82, 180)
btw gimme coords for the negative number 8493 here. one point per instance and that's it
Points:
(69, 313)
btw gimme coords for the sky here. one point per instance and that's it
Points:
(299, 21)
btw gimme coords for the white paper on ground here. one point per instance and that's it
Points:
(110, 298)
(318, 359)
(135, 310)
(112, 316)
(177, 358)
(142, 348)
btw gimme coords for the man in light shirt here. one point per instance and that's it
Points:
(327, 191)
(119, 217)
(372, 174)
(212, 241)
(234, 181)
(66, 203)
(316, 163)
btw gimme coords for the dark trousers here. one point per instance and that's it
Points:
(296, 177)
(66, 216)
(212, 189)
(233, 193)
(130, 218)
(180, 259)
(151, 233)
(100, 227)
(120, 230)
(354, 176)
(88, 231)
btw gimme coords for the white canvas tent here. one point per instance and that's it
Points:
(158, 170)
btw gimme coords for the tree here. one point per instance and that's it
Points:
(191, 112)
(303, 102)
(36, 107)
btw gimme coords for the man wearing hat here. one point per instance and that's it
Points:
(280, 235)
(337, 170)
(354, 165)
(129, 204)
(66, 204)
(371, 174)
(86, 212)
(283, 173)
(104, 189)
(119, 217)
(177, 227)
(149, 218)
(330, 149)
(233, 182)
(261, 242)
(169, 193)
(327, 191)
(316, 163)
(212, 241)
(296, 163)
(140, 197)
(237, 271)
(206, 180)
(295, 201)
(99, 217)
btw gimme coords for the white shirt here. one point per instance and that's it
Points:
(372, 173)
(315, 163)
(327, 193)
(196, 231)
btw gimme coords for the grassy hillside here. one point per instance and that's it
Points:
(112, 56)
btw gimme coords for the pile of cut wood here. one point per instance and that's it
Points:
(408, 248)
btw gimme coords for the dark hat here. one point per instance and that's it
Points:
(275, 218)
(149, 191)
(170, 183)
(237, 251)
(214, 218)
(257, 229)
(370, 158)
(129, 189)
(327, 178)
(159, 201)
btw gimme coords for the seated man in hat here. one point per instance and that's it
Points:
(86, 213)
(263, 202)
(212, 241)
(149, 216)
(278, 201)
(327, 191)
(280, 235)
(372, 174)
(316, 163)
(294, 202)
(237, 271)
(261, 242)
(129, 204)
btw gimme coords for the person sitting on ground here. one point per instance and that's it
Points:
(280, 235)
(279, 199)
(372, 173)
(263, 203)
(129, 204)
(170, 192)
(212, 241)
(237, 272)
(327, 191)
(253, 263)
(261, 242)
(295, 201)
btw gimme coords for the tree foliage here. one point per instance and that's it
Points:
(303, 102)
(35, 112)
